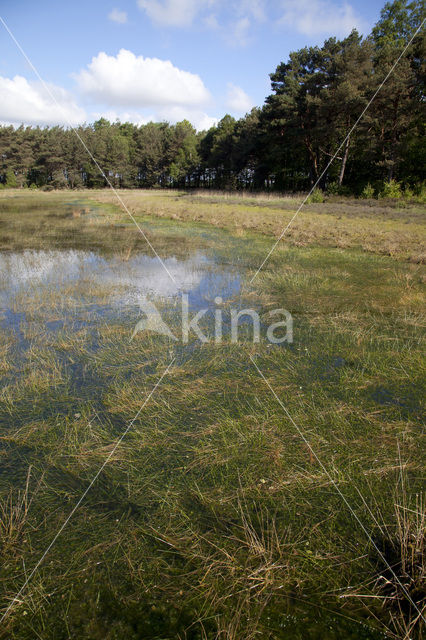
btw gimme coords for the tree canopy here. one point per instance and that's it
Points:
(317, 97)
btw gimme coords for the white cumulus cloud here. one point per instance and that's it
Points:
(130, 80)
(237, 99)
(320, 17)
(173, 13)
(30, 103)
(123, 116)
(118, 16)
(203, 122)
(200, 120)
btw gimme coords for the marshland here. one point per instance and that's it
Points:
(260, 490)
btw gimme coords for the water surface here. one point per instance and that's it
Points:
(76, 281)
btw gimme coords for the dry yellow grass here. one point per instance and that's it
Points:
(397, 231)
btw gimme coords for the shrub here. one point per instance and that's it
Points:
(333, 188)
(391, 189)
(316, 196)
(368, 192)
(11, 179)
(420, 192)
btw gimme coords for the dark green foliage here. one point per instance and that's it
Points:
(312, 115)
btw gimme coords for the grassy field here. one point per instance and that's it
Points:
(224, 512)
(385, 227)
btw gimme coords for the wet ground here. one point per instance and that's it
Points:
(67, 317)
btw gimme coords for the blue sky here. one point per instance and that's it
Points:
(144, 60)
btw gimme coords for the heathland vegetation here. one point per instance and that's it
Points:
(213, 518)
(286, 145)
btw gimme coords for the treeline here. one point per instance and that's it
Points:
(317, 97)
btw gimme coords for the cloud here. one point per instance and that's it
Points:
(29, 103)
(231, 21)
(173, 13)
(129, 282)
(237, 99)
(255, 8)
(245, 15)
(118, 16)
(200, 120)
(211, 22)
(239, 34)
(129, 80)
(203, 122)
(319, 17)
(235, 18)
(123, 116)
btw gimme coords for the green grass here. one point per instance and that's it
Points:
(213, 518)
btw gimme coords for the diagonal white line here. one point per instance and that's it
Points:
(49, 92)
(86, 491)
(337, 152)
(336, 486)
(95, 162)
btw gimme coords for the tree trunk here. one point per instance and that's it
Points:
(344, 161)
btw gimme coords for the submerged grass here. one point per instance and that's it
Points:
(212, 519)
